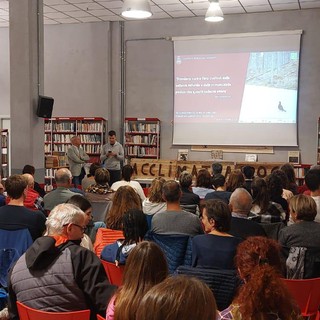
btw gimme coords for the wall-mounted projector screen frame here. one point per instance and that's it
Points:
(237, 89)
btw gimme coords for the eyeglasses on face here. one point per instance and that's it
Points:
(77, 225)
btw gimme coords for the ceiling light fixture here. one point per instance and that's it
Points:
(214, 12)
(136, 9)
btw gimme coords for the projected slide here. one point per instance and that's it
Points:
(244, 87)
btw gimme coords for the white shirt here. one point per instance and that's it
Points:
(133, 184)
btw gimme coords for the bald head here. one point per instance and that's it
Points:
(240, 201)
(29, 179)
(63, 177)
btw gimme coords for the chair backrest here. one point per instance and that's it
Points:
(27, 313)
(223, 283)
(114, 273)
(192, 208)
(306, 292)
(100, 317)
(272, 229)
(106, 236)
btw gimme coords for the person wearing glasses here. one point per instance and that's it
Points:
(56, 274)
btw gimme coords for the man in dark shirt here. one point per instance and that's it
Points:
(240, 205)
(15, 216)
(187, 196)
(219, 183)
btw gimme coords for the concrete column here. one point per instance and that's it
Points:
(26, 83)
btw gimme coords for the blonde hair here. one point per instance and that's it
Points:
(304, 207)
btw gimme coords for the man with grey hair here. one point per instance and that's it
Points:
(62, 193)
(56, 274)
(240, 205)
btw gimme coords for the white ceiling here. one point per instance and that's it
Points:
(80, 11)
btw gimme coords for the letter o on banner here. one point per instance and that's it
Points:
(261, 172)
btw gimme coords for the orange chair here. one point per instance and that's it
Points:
(100, 317)
(27, 313)
(114, 273)
(306, 292)
(106, 236)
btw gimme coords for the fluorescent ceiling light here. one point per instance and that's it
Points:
(136, 9)
(214, 12)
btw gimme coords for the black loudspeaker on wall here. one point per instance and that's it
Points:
(45, 106)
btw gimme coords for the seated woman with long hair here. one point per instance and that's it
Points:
(134, 229)
(263, 295)
(217, 248)
(124, 199)
(235, 180)
(264, 210)
(203, 183)
(178, 298)
(146, 266)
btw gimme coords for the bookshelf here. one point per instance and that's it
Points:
(318, 151)
(300, 171)
(4, 154)
(142, 138)
(58, 132)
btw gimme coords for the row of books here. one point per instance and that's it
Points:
(142, 151)
(89, 126)
(60, 126)
(88, 148)
(147, 139)
(135, 126)
(65, 138)
(4, 158)
(4, 141)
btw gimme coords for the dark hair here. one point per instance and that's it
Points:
(312, 179)
(135, 226)
(304, 206)
(179, 297)
(15, 185)
(248, 171)
(260, 194)
(216, 168)
(219, 211)
(155, 190)
(274, 186)
(288, 169)
(204, 179)
(28, 169)
(218, 180)
(235, 180)
(127, 172)
(102, 176)
(185, 179)
(145, 267)
(171, 191)
(112, 133)
(80, 201)
(93, 168)
(259, 264)
(283, 177)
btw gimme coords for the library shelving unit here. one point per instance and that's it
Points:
(300, 172)
(142, 138)
(318, 153)
(4, 153)
(58, 132)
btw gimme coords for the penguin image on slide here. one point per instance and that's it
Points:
(280, 107)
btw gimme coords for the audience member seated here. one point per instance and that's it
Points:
(241, 226)
(124, 199)
(217, 248)
(15, 216)
(100, 191)
(134, 229)
(2, 196)
(305, 232)
(89, 180)
(178, 298)
(188, 198)
(58, 275)
(286, 193)
(264, 210)
(127, 172)
(275, 190)
(312, 180)
(219, 183)
(62, 193)
(146, 266)
(33, 200)
(203, 183)
(235, 180)
(216, 168)
(154, 203)
(263, 294)
(288, 169)
(85, 205)
(248, 172)
(31, 170)
(174, 220)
